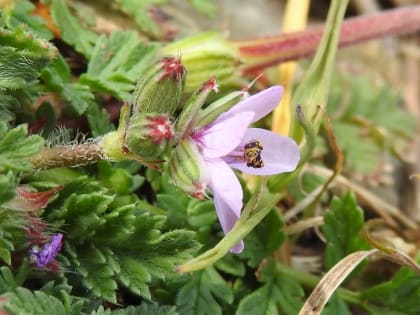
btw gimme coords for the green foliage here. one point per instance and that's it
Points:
(368, 122)
(116, 63)
(22, 14)
(57, 78)
(22, 57)
(361, 153)
(11, 232)
(278, 292)
(8, 182)
(144, 309)
(264, 239)
(16, 147)
(25, 302)
(72, 31)
(110, 244)
(397, 296)
(10, 281)
(336, 305)
(342, 224)
(200, 295)
(140, 11)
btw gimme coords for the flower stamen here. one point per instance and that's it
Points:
(252, 154)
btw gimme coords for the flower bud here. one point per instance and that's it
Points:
(160, 88)
(149, 135)
(188, 116)
(186, 169)
(145, 138)
(205, 55)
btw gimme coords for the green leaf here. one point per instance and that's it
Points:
(264, 239)
(113, 244)
(277, 293)
(10, 279)
(138, 9)
(8, 183)
(117, 62)
(57, 78)
(22, 57)
(204, 6)
(336, 305)
(16, 148)
(198, 296)
(21, 15)
(342, 224)
(98, 119)
(144, 309)
(72, 31)
(399, 295)
(361, 153)
(25, 302)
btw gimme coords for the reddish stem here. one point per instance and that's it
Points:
(268, 51)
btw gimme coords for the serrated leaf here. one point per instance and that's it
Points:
(336, 305)
(117, 62)
(144, 309)
(342, 224)
(198, 296)
(264, 239)
(72, 32)
(57, 78)
(22, 57)
(25, 302)
(8, 183)
(16, 147)
(138, 9)
(111, 245)
(98, 119)
(361, 153)
(278, 292)
(23, 14)
(399, 295)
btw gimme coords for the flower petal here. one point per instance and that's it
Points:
(280, 154)
(227, 192)
(218, 139)
(261, 104)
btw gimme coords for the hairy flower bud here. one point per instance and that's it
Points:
(160, 88)
(205, 55)
(149, 135)
(187, 169)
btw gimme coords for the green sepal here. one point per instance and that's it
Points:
(205, 55)
(159, 88)
(216, 108)
(314, 88)
(187, 169)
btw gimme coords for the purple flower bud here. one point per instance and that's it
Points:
(49, 251)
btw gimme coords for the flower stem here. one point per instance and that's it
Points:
(265, 52)
(68, 155)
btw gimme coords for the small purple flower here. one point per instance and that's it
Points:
(228, 143)
(49, 251)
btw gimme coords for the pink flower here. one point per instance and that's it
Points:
(228, 143)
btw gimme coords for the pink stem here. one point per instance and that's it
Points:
(268, 51)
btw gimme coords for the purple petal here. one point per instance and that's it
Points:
(48, 252)
(227, 192)
(220, 138)
(280, 154)
(261, 104)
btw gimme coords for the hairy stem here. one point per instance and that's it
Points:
(265, 52)
(68, 155)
